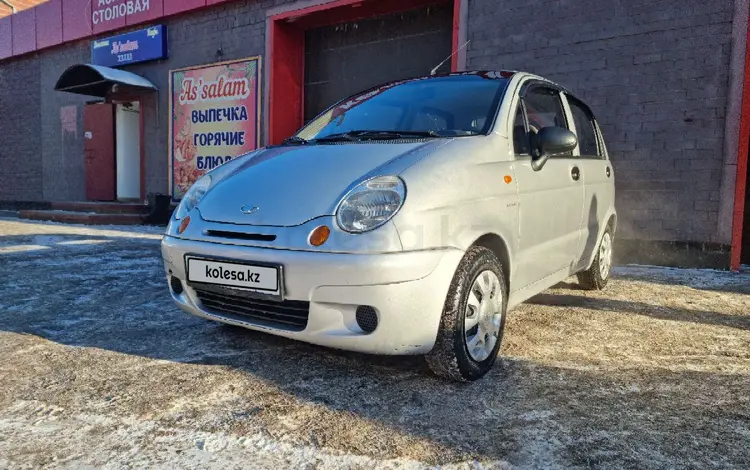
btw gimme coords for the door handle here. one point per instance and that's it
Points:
(609, 172)
(575, 173)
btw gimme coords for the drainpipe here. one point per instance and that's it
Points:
(12, 8)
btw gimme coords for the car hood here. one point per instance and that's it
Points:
(293, 184)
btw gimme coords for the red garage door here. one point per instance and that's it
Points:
(346, 58)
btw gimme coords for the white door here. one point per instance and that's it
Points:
(551, 199)
(128, 141)
(598, 178)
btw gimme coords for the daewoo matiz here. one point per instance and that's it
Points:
(405, 220)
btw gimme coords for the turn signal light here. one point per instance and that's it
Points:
(319, 235)
(184, 225)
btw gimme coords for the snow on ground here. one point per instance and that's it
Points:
(100, 370)
(694, 278)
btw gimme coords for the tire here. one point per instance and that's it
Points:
(451, 357)
(597, 276)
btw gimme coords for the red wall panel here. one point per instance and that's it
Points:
(287, 77)
(740, 188)
(155, 11)
(24, 31)
(214, 2)
(6, 38)
(176, 6)
(76, 16)
(49, 24)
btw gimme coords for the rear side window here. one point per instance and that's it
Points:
(585, 129)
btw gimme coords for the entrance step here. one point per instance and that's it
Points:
(86, 218)
(101, 207)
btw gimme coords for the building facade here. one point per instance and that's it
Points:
(666, 80)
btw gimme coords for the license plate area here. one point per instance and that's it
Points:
(253, 279)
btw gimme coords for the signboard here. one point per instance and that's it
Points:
(130, 48)
(109, 13)
(215, 113)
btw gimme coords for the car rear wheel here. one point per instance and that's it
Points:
(597, 276)
(473, 319)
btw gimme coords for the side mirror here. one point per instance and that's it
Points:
(552, 141)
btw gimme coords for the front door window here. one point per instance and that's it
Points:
(544, 108)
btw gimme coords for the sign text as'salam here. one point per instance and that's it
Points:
(222, 89)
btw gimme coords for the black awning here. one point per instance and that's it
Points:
(95, 80)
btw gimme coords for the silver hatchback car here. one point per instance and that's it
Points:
(408, 219)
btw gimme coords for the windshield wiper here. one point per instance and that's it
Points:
(393, 134)
(342, 137)
(294, 140)
(353, 136)
(414, 133)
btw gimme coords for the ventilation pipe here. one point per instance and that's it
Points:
(13, 9)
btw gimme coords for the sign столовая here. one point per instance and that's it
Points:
(103, 11)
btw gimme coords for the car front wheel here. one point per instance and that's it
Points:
(473, 319)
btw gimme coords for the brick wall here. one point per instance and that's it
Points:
(656, 74)
(20, 152)
(62, 126)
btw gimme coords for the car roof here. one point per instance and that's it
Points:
(488, 74)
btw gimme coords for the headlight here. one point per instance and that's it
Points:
(192, 197)
(371, 204)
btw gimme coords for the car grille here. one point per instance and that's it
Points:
(258, 237)
(288, 315)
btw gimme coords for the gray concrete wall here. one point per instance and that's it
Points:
(656, 74)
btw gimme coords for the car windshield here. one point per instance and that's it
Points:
(450, 106)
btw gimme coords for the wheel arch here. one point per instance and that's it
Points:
(612, 223)
(499, 247)
(612, 226)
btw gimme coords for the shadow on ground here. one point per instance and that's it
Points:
(640, 308)
(113, 297)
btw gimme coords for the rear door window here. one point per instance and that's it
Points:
(585, 129)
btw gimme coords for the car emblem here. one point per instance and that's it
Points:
(247, 210)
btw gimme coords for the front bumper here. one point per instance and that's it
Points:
(407, 290)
